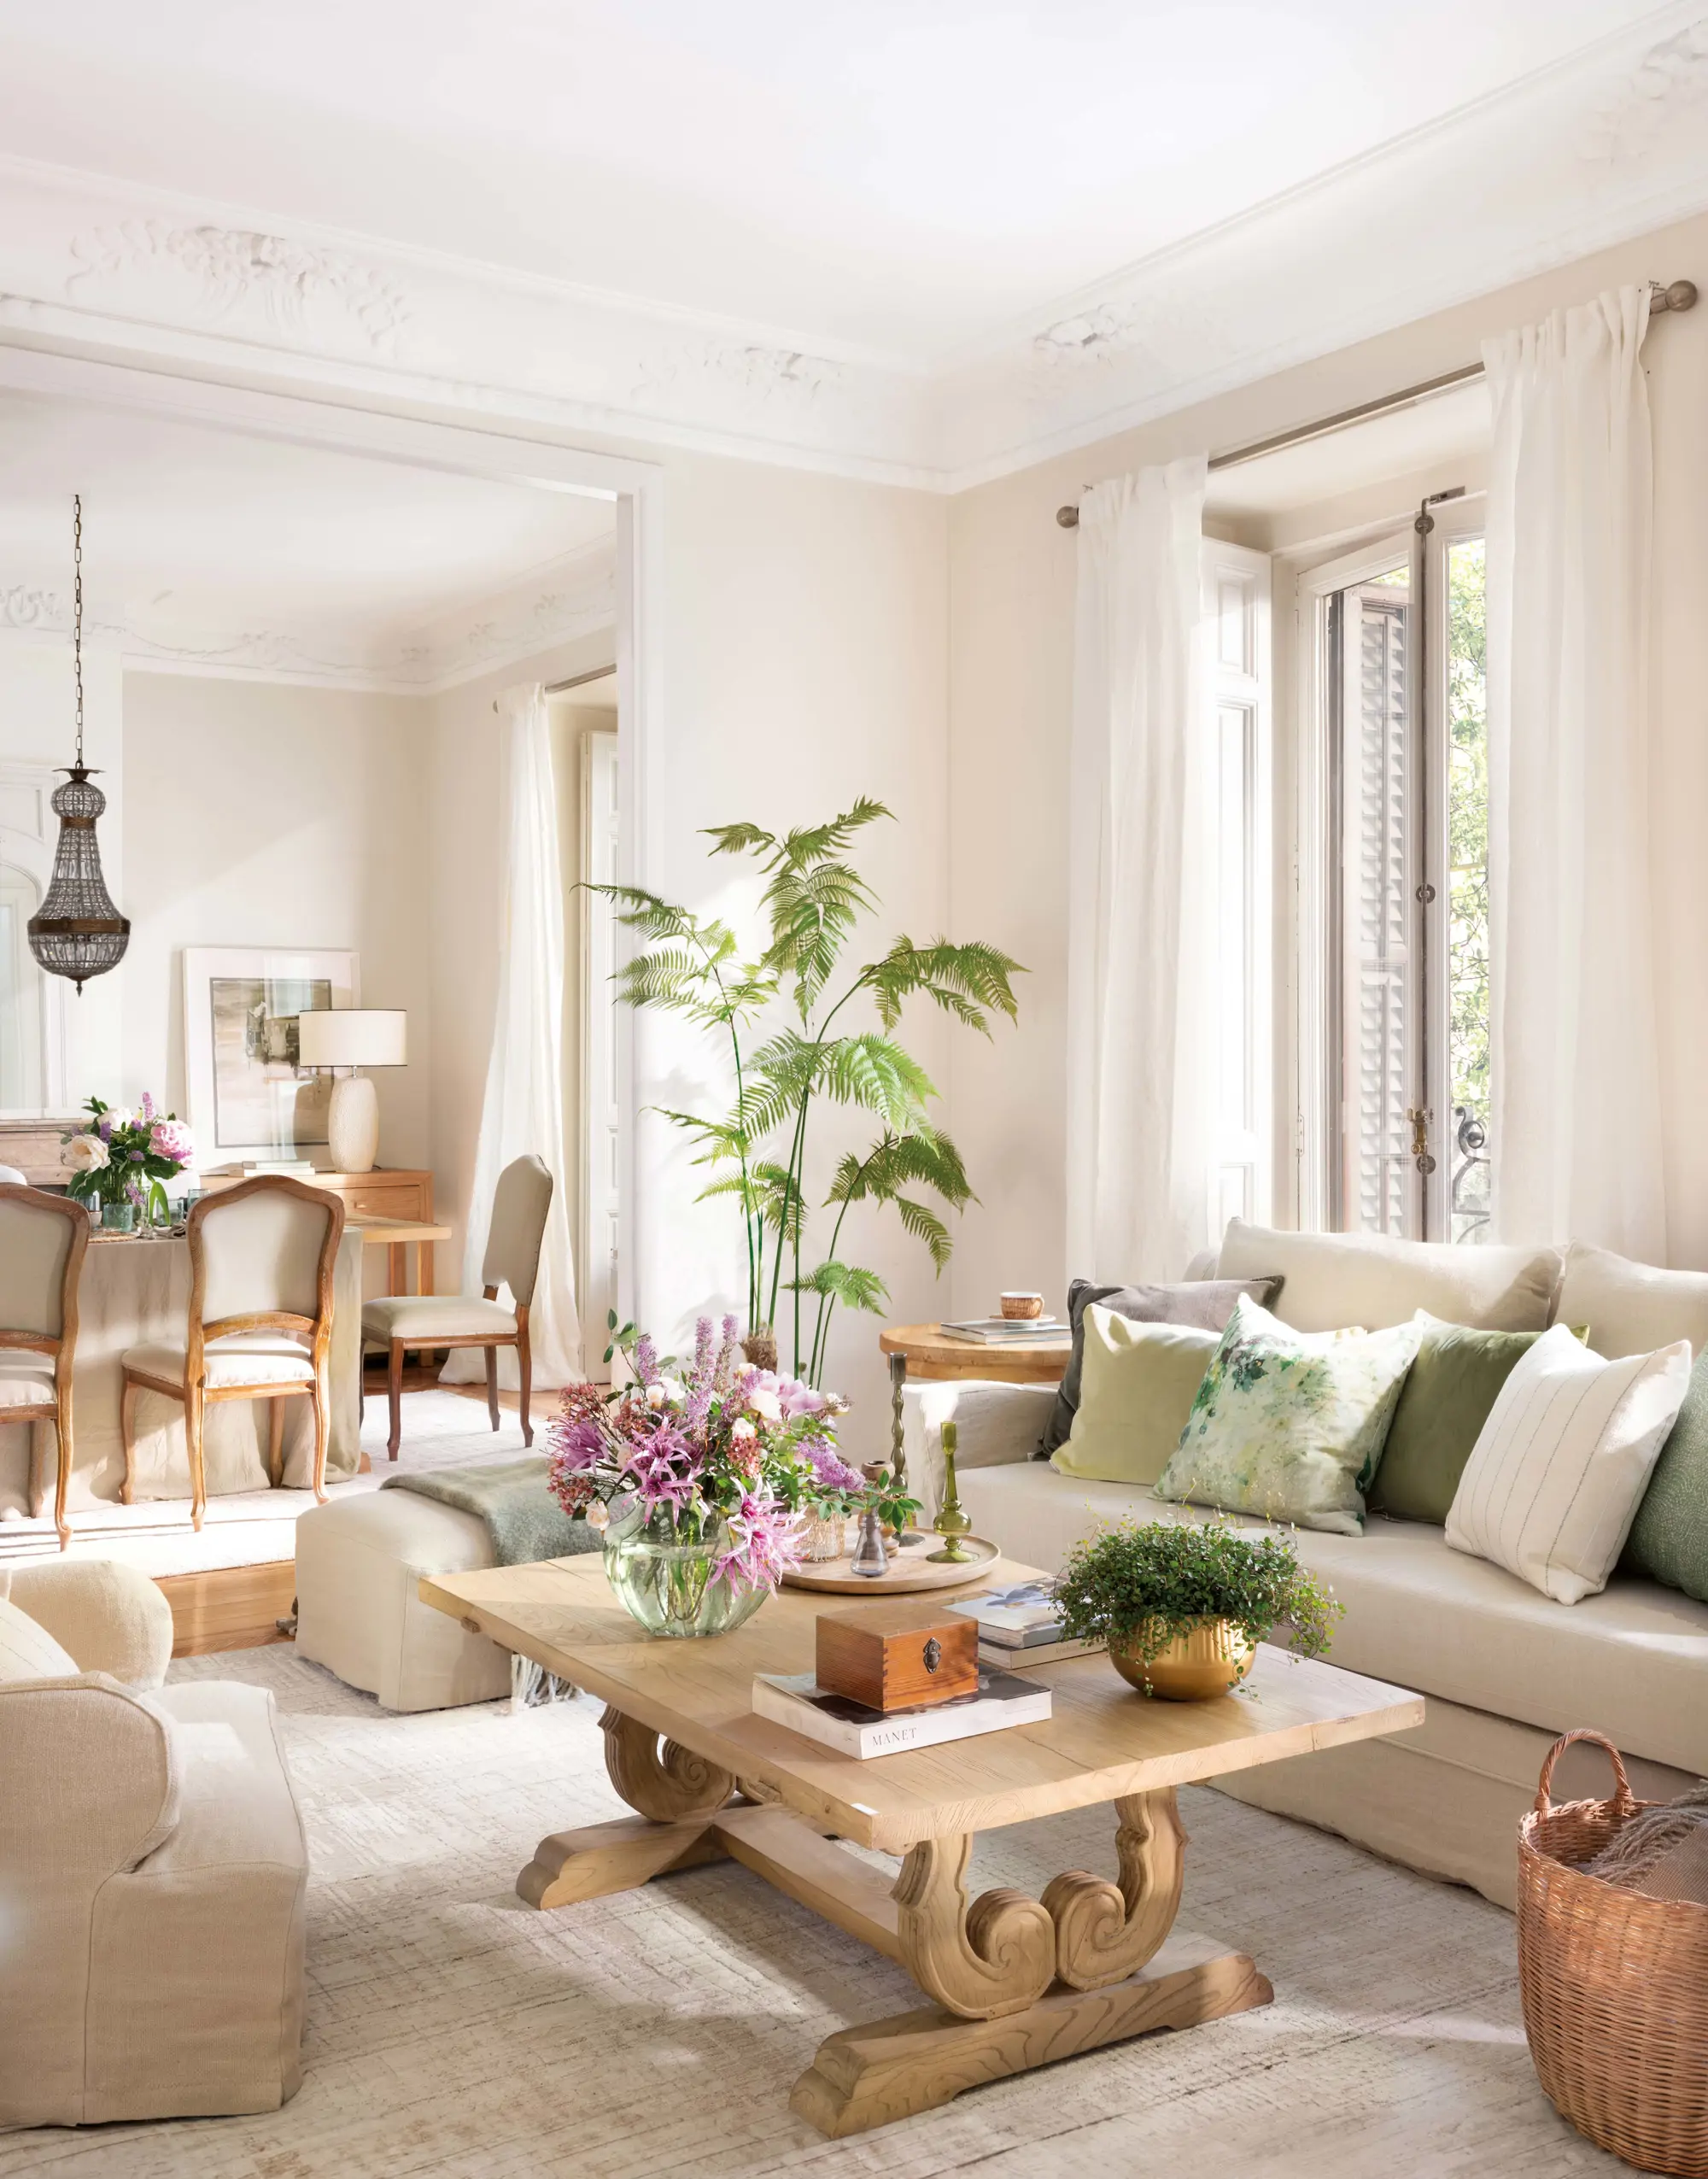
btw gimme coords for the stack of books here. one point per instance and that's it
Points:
(295, 1168)
(796, 1701)
(993, 1331)
(1021, 1627)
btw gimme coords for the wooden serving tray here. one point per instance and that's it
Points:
(909, 1569)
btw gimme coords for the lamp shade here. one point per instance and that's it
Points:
(351, 1036)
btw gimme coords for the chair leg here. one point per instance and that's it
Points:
(275, 1443)
(192, 1437)
(63, 1447)
(492, 1385)
(322, 1432)
(525, 1358)
(393, 1385)
(127, 1430)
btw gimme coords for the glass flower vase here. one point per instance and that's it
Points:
(666, 1577)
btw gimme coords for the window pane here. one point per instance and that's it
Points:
(1468, 882)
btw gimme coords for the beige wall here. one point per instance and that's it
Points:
(805, 663)
(258, 814)
(1010, 834)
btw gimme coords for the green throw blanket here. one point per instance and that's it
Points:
(524, 1519)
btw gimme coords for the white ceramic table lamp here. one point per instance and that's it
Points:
(352, 1037)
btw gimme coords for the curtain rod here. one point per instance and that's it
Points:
(1681, 294)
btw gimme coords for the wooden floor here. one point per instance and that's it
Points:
(239, 1607)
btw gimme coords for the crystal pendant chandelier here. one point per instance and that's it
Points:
(78, 933)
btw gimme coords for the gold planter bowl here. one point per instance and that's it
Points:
(1210, 1660)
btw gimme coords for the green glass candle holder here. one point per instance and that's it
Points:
(952, 1521)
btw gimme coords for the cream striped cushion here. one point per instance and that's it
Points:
(28, 1651)
(1560, 1466)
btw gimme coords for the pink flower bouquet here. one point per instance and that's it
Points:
(722, 1457)
(120, 1156)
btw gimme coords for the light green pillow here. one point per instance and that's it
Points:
(1290, 1425)
(1136, 1391)
(1669, 1539)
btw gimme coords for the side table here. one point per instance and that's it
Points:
(927, 1352)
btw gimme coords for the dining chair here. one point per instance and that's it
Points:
(396, 1323)
(43, 1239)
(261, 1257)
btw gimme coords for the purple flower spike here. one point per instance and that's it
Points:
(645, 1360)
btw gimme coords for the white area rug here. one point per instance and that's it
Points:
(453, 2031)
(253, 1527)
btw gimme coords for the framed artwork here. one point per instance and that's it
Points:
(248, 1099)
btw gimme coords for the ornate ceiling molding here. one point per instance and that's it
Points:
(1602, 147)
(569, 598)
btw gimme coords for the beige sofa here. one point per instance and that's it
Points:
(152, 1867)
(1505, 1669)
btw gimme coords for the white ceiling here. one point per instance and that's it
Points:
(903, 178)
(196, 539)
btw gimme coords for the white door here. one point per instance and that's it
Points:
(601, 1108)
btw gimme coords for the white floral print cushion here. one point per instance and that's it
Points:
(1290, 1425)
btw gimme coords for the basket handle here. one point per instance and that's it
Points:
(1624, 1804)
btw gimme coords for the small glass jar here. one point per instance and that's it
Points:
(119, 1217)
(824, 1538)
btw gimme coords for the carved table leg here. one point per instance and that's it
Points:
(677, 1793)
(1025, 1983)
(996, 1956)
(671, 1784)
(1105, 1932)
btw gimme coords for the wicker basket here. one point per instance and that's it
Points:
(1615, 1985)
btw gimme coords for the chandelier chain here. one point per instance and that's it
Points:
(77, 614)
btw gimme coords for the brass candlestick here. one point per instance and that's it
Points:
(952, 1522)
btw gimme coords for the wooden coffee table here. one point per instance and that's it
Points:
(1014, 1982)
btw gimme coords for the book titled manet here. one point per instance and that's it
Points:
(796, 1701)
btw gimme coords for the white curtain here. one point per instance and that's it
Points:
(1140, 1023)
(524, 1107)
(1575, 1072)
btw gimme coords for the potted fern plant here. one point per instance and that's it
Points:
(1183, 1606)
(790, 1015)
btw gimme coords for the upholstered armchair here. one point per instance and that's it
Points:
(43, 1241)
(152, 1866)
(396, 1323)
(261, 1258)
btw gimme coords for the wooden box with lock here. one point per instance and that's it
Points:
(899, 1656)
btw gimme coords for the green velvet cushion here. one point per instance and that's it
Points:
(1443, 1405)
(1136, 1391)
(1668, 1538)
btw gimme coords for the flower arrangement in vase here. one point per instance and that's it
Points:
(121, 1160)
(704, 1480)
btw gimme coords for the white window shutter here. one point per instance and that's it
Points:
(1382, 995)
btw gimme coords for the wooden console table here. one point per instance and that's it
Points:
(1012, 1982)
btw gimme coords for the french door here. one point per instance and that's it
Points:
(1394, 889)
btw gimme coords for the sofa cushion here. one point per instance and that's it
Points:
(1207, 1303)
(1632, 1309)
(28, 1651)
(1290, 1424)
(1668, 1538)
(1333, 1280)
(1554, 1482)
(1443, 1405)
(1633, 1662)
(1135, 1394)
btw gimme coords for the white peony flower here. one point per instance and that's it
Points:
(765, 1404)
(119, 1116)
(86, 1154)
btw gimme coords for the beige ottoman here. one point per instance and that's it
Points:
(358, 1558)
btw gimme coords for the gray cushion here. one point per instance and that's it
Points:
(1207, 1303)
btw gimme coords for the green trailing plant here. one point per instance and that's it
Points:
(1141, 1584)
(795, 1037)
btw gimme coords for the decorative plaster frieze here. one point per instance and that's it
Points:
(573, 597)
(1608, 144)
(293, 286)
